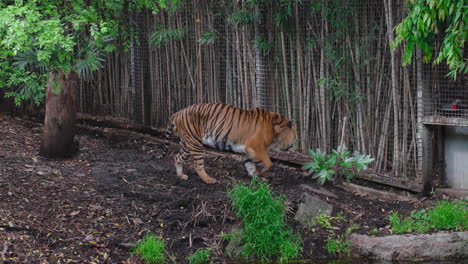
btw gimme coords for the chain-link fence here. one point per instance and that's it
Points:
(327, 64)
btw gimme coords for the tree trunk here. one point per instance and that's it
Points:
(59, 123)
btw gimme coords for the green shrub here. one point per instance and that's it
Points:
(151, 249)
(265, 233)
(324, 166)
(444, 216)
(201, 256)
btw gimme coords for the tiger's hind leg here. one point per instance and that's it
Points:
(180, 158)
(197, 154)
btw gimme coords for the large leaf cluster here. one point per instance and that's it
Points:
(324, 166)
(41, 36)
(428, 19)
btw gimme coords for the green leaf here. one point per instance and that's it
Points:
(208, 38)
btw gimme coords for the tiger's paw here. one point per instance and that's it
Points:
(209, 180)
(183, 176)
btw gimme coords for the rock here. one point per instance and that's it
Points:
(424, 246)
(310, 208)
(236, 244)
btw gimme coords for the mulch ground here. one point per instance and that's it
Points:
(92, 207)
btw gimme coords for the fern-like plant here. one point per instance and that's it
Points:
(324, 167)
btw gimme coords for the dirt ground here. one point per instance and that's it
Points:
(92, 207)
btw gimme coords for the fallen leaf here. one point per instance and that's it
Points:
(137, 221)
(75, 213)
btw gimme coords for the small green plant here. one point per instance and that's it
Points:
(373, 231)
(323, 221)
(338, 246)
(265, 233)
(445, 215)
(151, 249)
(324, 166)
(352, 227)
(339, 217)
(201, 256)
(399, 224)
(227, 236)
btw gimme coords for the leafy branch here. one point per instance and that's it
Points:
(162, 36)
(428, 18)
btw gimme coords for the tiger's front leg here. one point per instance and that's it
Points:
(266, 162)
(200, 168)
(257, 156)
(250, 167)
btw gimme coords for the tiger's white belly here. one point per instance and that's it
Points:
(223, 146)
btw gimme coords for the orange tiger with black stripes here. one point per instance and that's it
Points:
(228, 128)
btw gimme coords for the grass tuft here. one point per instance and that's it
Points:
(445, 215)
(151, 249)
(265, 233)
(201, 256)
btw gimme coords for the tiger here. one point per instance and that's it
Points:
(228, 128)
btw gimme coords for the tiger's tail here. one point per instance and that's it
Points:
(167, 136)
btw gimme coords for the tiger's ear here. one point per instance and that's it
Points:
(291, 123)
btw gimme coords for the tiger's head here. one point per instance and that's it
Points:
(285, 132)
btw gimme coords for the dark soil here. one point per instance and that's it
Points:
(91, 208)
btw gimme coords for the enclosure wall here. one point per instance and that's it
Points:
(318, 62)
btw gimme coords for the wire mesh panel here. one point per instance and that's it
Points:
(446, 99)
(140, 92)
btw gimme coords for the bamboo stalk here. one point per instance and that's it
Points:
(394, 76)
(285, 76)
